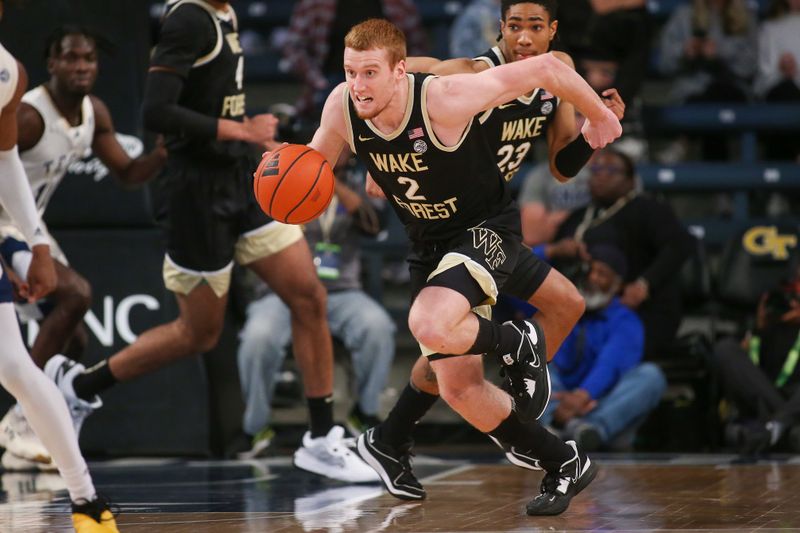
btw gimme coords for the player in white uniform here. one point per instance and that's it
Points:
(60, 122)
(40, 398)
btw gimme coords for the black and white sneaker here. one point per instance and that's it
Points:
(559, 487)
(527, 377)
(392, 465)
(519, 458)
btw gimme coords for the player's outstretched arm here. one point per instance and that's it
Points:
(17, 198)
(331, 136)
(106, 146)
(454, 100)
(421, 63)
(460, 65)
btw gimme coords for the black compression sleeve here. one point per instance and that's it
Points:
(571, 158)
(162, 114)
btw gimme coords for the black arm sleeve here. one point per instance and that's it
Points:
(571, 158)
(162, 114)
(187, 33)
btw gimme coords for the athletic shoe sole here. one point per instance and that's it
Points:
(306, 461)
(368, 454)
(582, 483)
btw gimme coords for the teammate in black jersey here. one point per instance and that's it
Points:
(408, 130)
(195, 97)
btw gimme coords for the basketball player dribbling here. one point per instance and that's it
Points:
(58, 123)
(41, 400)
(417, 136)
(527, 29)
(194, 96)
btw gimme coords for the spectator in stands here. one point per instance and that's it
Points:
(709, 47)
(601, 389)
(760, 373)
(363, 326)
(475, 29)
(647, 230)
(545, 202)
(778, 76)
(314, 45)
(619, 30)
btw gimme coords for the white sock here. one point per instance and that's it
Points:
(44, 406)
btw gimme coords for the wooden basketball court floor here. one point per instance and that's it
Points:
(694, 493)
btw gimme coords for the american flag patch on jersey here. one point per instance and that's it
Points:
(416, 133)
(546, 95)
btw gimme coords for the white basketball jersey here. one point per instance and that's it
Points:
(60, 145)
(8, 77)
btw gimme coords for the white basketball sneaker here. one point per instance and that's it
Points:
(332, 456)
(63, 371)
(13, 463)
(18, 438)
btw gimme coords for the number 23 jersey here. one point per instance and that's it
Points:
(512, 128)
(437, 191)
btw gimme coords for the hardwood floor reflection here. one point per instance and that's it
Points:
(628, 495)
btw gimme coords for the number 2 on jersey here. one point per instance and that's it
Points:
(413, 187)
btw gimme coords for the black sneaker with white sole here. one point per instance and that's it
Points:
(520, 458)
(559, 487)
(393, 466)
(527, 377)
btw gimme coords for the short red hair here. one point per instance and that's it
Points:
(377, 33)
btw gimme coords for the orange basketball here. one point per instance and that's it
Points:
(293, 184)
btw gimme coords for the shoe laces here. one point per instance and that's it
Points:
(405, 461)
(95, 508)
(549, 484)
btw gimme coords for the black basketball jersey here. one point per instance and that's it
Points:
(437, 191)
(201, 44)
(512, 128)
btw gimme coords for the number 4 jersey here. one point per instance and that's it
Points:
(437, 191)
(511, 128)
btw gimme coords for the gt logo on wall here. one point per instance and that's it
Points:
(765, 240)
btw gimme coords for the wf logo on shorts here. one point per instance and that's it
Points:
(491, 244)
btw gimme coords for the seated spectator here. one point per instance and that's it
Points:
(314, 47)
(475, 29)
(648, 232)
(601, 389)
(363, 326)
(760, 374)
(545, 202)
(778, 76)
(709, 47)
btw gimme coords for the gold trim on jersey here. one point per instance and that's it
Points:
(265, 241)
(429, 127)
(202, 60)
(348, 123)
(403, 123)
(499, 54)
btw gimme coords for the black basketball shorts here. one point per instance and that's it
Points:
(485, 254)
(211, 217)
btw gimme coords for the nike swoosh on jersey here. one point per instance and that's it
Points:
(363, 139)
(503, 106)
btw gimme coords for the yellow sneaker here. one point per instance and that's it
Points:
(93, 517)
